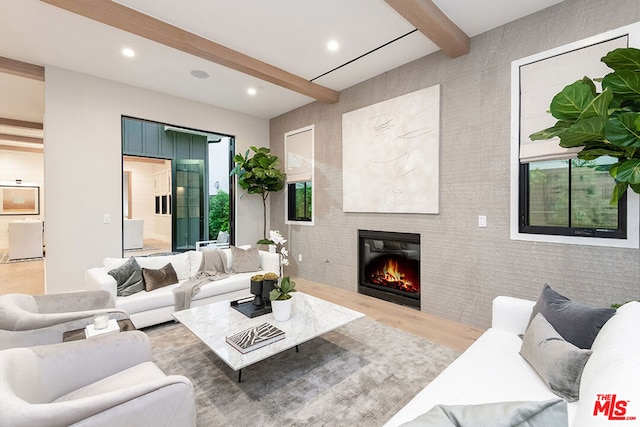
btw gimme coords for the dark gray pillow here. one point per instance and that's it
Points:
(128, 277)
(558, 362)
(244, 261)
(577, 323)
(154, 279)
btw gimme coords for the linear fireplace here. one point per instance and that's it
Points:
(389, 266)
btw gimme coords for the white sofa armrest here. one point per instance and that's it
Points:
(511, 314)
(270, 261)
(98, 279)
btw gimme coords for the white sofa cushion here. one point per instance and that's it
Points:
(186, 264)
(613, 371)
(490, 370)
(144, 300)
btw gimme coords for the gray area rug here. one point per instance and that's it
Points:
(358, 375)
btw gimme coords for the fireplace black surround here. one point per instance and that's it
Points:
(389, 266)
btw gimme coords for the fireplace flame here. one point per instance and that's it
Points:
(391, 276)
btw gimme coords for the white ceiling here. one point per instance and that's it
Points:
(290, 34)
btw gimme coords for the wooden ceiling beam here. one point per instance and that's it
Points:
(18, 148)
(116, 15)
(21, 124)
(433, 23)
(21, 69)
(19, 138)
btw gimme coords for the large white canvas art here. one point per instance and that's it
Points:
(390, 155)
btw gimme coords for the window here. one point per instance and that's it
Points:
(300, 201)
(298, 146)
(556, 197)
(571, 198)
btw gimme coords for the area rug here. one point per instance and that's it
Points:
(4, 259)
(358, 375)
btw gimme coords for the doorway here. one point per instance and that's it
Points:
(189, 181)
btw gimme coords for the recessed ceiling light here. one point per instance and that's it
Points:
(128, 52)
(252, 91)
(333, 45)
(199, 74)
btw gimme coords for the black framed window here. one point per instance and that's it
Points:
(299, 201)
(570, 198)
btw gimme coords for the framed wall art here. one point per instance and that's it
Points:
(390, 155)
(19, 200)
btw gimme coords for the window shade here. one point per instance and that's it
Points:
(299, 152)
(540, 81)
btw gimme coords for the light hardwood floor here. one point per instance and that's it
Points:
(28, 277)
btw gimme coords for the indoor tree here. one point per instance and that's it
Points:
(604, 123)
(259, 174)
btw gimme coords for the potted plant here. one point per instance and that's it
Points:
(259, 174)
(269, 282)
(605, 123)
(281, 300)
(257, 289)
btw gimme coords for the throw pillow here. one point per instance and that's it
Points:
(155, 279)
(558, 362)
(214, 260)
(244, 261)
(128, 278)
(577, 323)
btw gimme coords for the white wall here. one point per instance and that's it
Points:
(142, 198)
(83, 166)
(29, 168)
(463, 266)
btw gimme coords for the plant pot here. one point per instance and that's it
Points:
(267, 287)
(281, 309)
(256, 289)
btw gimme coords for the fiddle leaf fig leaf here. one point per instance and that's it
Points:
(599, 106)
(624, 83)
(622, 130)
(623, 59)
(571, 101)
(555, 130)
(598, 151)
(628, 172)
(586, 80)
(586, 130)
(618, 192)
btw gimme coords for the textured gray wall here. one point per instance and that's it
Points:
(463, 267)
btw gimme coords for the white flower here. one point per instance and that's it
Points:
(276, 237)
(278, 243)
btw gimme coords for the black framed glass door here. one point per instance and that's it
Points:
(189, 209)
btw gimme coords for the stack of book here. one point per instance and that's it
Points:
(254, 338)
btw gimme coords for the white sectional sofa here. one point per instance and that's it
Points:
(150, 308)
(493, 370)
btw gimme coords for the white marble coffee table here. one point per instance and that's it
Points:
(310, 318)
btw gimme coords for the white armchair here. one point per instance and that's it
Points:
(106, 380)
(27, 320)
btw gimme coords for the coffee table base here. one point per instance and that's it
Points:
(240, 370)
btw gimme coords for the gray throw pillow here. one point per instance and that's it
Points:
(154, 279)
(244, 261)
(558, 362)
(496, 414)
(128, 278)
(577, 323)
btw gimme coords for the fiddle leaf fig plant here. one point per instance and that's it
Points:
(259, 174)
(604, 123)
